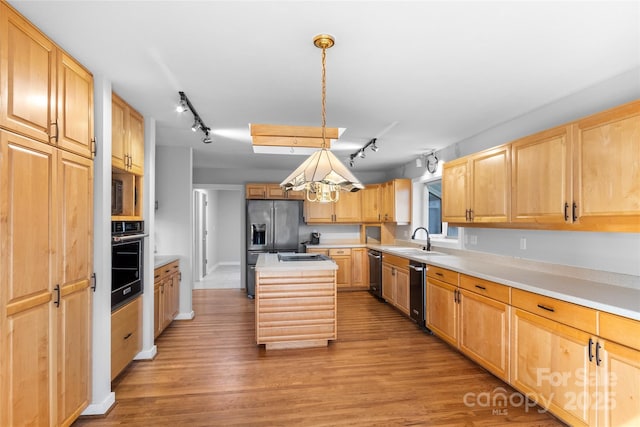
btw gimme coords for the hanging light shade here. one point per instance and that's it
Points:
(322, 176)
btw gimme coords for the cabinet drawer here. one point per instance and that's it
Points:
(166, 270)
(339, 252)
(577, 316)
(126, 340)
(484, 287)
(620, 329)
(317, 251)
(443, 274)
(395, 260)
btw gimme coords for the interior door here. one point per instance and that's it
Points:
(203, 215)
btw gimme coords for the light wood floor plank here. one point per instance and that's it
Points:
(381, 371)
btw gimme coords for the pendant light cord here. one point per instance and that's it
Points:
(324, 96)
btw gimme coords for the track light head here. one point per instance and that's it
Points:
(182, 106)
(361, 154)
(374, 147)
(351, 162)
(195, 126)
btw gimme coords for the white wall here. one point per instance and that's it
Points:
(212, 228)
(173, 220)
(229, 227)
(242, 176)
(614, 252)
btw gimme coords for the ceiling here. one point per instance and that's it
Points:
(419, 75)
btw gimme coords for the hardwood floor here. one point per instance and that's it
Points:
(381, 371)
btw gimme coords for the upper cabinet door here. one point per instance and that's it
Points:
(75, 107)
(27, 77)
(455, 186)
(541, 177)
(607, 170)
(491, 185)
(119, 137)
(136, 142)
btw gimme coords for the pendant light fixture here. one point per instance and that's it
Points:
(322, 176)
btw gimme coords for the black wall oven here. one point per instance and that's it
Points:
(127, 255)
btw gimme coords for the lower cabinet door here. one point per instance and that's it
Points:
(442, 310)
(550, 364)
(484, 332)
(402, 290)
(618, 403)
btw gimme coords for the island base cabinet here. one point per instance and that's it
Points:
(295, 309)
(550, 365)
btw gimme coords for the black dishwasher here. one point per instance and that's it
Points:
(375, 273)
(417, 272)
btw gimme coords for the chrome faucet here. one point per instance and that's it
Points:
(413, 236)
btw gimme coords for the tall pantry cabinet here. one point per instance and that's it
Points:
(46, 228)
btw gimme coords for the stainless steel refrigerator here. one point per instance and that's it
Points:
(272, 226)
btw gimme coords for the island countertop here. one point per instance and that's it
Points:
(270, 262)
(295, 302)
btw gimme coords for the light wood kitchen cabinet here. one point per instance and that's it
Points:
(74, 125)
(541, 175)
(271, 191)
(477, 188)
(27, 71)
(348, 209)
(359, 268)
(484, 313)
(395, 281)
(353, 266)
(396, 201)
(166, 281)
(443, 318)
(126, 335)
(33, 67)
(619, 372)
(342, 257)
(127, 137)
(606, 170)
(372, 203)
(46, 306)
(553, 350)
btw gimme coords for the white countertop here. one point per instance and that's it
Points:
(160, 260)
(270, 262)
(590, 290)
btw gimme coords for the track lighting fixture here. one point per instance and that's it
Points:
(361, 152)
(207, 137)
(198, 124)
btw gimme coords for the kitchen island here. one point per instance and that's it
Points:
(295, 301)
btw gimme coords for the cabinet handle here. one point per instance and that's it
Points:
(55, 124)
(575, 211)
(93, 147)
(544, 307)
(94, 280)
(481, 287)
(439, 274)
(57, 300)
(590, 352)
(598, 360)
(566, 211)
(470, 215)
(128, 335)
(180, 276)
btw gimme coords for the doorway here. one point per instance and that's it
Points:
(218, 236)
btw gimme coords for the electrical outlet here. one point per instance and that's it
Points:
(523, 243)
(474, 240)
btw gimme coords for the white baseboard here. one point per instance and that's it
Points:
(148, 354)
(186, 316)
(101, 408)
